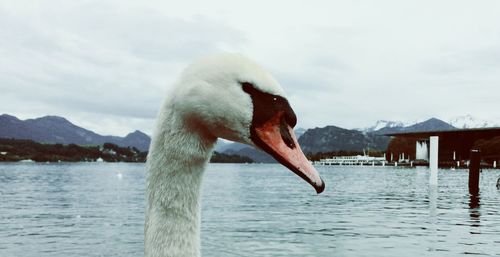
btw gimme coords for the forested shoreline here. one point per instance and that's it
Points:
(14, 150)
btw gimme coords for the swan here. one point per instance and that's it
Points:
(220, 96)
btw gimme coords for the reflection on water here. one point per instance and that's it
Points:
(97, 209)
(474, 211)
(433, 218)
(475, 200)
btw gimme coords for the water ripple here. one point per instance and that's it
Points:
(251, 210)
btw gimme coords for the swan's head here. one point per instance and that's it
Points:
(228, 96)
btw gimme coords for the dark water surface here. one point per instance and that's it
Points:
(97, 209)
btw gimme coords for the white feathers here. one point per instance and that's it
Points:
(207, 102)
(229, 69)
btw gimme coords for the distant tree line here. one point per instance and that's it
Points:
(13, 150)
(229, 158)
(17, 150)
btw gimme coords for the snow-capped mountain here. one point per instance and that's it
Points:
(469, 121)
(460, 122)
(58, 130)
(383, 124)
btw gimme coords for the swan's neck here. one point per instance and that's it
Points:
(178, 155)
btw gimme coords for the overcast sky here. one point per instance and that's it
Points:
(106, 65)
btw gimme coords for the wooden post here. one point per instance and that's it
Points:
(475, 166)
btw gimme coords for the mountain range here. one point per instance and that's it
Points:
(380, 124)
(54, 129)
(428, 125)
(332, 138)
(469, 121)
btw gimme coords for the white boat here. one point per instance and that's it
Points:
(352, 160)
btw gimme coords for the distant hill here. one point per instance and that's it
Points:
(222, 146)
(256, 155)
(332, 138)
(13, 150)
(137, 139)
(55, 129)
(234, 148)
(428, 125)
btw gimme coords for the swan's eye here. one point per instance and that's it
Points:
(267, 105)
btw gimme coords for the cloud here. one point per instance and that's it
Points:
(479, 60)
(342, 63)
(94, 58)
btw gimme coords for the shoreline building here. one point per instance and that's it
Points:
(452, 147)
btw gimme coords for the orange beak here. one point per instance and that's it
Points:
(277, 138)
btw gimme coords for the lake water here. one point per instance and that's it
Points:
(97, 209)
